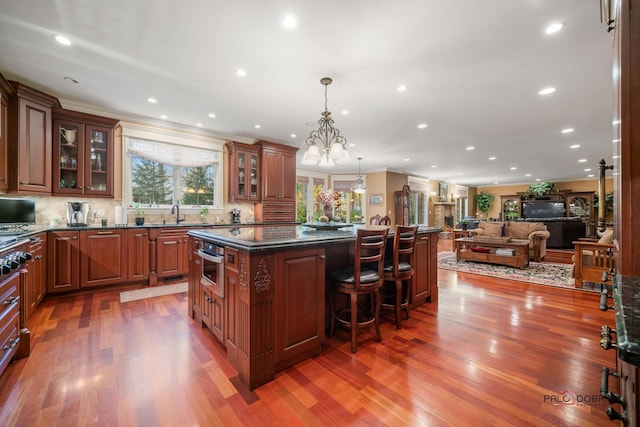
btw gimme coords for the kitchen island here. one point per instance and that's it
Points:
(262, 290)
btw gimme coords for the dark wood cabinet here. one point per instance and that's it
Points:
(194, 301)
(6, 92)
(298, 310)
(403, 206)
(278, 183)
(425, 280)
(63, 261)
(36, 284)
(235, 300)
(103, 257)
(82, 154)
(30, 151)
(244, 172)
(172, 252)
(138, 254)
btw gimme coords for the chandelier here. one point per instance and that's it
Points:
(359, 187)
(325, 146)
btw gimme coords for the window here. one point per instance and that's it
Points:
(418, 200)
(308, 185)
(351, 204)
(164, 168)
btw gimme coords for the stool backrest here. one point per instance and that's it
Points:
(369, 252)
(404, 241)
(386, 220)
(375, 220)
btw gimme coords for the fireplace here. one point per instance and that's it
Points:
(444, 214)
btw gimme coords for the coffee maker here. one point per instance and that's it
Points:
(235, 216)
(77, 213)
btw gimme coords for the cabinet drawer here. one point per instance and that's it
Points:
(9, 294)
(9, 335)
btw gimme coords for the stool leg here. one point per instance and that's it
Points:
(377, 314)
(408, 296)
(332, 302)
(354, 321)
(398, 302)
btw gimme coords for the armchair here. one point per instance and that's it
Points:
(593, 258)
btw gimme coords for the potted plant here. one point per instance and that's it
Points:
(204, 214)
(463, 224)
(139, 214)
(541, 188)
(484, 201)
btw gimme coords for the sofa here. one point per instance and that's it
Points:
(535, 233)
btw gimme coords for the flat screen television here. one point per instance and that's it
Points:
(545, 210)
(17, 211)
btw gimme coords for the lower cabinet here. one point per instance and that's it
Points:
(63, 261)
(425, 280)
(36, 284)
(172, 252)
(213, 313)
(103, 258)
(137, 254)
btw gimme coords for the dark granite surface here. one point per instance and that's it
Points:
(267, 238)
(626, 298)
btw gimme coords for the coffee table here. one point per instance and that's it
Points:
(486, 251)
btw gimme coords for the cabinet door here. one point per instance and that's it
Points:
(298, 305)
(4, 153)
(271, 175)
(233, 304)
(98, 160)
(425, 287)
(34, 147)
(137, 254)
(172, 253)
(63, 261)
(35, 284)
(103, 257)
(244, 172)
(288, 181)
(195, 299)
(68, 155)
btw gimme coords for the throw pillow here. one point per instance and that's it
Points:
(492, 229)
(607, 237)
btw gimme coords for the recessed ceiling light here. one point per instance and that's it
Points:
(554, 27)
(615, 141)
(615, 157)
(199, 125)
(402, 88)
(513, 168)
(241, 72)
(163, 116)
(434, 166)
(71, 80)
(461, 173)
(293, 135)
(590, 175)
(527, 174)
(496, 183)
(574, 146)
(492, 158)
(470, 148)
(422, 126)
(345, 112)
(406, 159)
(289, 22)
(582, 161)
(587, 170)
(615, 122)
(567, 130)
(352, 144)
(213, 116)
(538, 179)
(152, 100)
(62, 39)
(547, 91)
(257, 126)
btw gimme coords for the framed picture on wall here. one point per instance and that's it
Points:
(442, 193)
(375, 199)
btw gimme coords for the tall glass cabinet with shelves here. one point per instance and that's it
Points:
(83, 154)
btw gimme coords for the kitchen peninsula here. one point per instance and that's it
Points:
(262, 290)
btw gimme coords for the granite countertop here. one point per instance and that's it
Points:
(626, 298)
(267, 238)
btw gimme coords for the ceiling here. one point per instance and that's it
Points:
(472, 69)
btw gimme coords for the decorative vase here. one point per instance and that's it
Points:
(326, 211)
(139, 220)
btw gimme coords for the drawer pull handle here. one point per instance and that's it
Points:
(606, 339)
(12, 343)
(11, 300)
(615, 415)
(105, 232)
(603, 302)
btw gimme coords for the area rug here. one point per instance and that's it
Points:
(154, 291)
(544, 273)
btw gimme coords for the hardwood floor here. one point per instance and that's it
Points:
(490, 352)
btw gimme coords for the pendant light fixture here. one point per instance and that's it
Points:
(325, 146)
(359, 187)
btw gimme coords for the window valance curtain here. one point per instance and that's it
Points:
(174, 155)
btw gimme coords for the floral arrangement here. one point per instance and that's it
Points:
(328, 198)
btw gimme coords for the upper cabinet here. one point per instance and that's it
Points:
(82, 154)
(29, 143)
(244, 172)
(278, 183)
(6, 92)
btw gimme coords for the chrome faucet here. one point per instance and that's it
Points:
(175, 209)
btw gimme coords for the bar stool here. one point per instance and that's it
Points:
(364, 278)
(399, 269)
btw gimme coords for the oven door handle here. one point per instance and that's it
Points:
(212, 258)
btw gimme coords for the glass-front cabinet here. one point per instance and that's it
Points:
(82, 154)
(244, 172)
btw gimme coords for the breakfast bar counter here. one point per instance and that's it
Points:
(262, 290)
